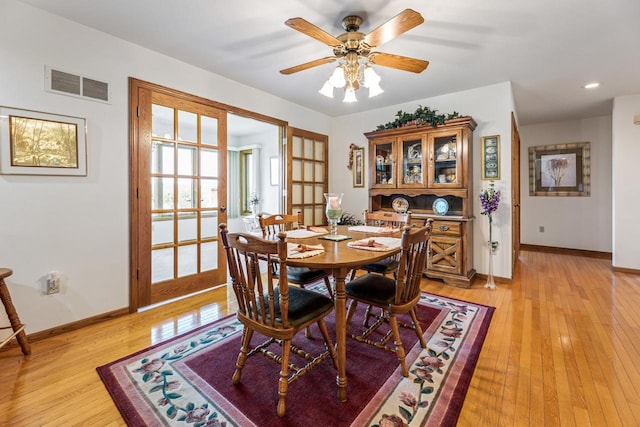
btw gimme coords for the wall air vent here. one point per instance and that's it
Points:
(77, 85)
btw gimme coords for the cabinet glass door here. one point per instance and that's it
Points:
(384, 162)
(412, 151)
(445, 159)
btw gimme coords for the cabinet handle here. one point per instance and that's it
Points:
(443, 228)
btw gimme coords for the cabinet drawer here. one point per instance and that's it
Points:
(446, 227)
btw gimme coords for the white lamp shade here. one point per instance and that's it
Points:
(375, 90)
(349, 94)
(337, 78)
(370, 77)
(327, 89)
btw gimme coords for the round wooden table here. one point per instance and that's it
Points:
(340, 260)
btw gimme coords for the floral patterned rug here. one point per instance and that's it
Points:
(186, 381)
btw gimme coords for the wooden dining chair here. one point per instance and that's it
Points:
(270, 307)
(387, 265)
(301, 276)
(393, 296)
(385, 219)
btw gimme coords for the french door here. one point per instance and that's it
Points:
(307, 174)
(178, 194)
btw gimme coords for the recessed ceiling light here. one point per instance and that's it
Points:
(591, 85)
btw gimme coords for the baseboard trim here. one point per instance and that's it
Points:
(482, 278)
(73, 326)
(566, 251)
(626, 270)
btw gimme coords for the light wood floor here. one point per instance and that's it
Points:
(563, 349)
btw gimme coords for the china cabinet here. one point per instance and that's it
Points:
(428, 170)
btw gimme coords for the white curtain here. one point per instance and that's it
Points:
(256, 184)
(233, 184)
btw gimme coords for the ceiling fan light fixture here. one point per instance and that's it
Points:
(353, 54)
(337, 78)
(350, 94)
(327, 89)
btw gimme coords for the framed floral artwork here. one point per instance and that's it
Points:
(560, 170)
(36, 143)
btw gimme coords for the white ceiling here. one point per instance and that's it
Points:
(547, 48)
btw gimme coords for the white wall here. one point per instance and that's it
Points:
(626, 175)
(80, 225)
(269, 197)
(491, 108)
(569, 222)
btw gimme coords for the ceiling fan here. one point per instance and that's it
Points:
(353, 51)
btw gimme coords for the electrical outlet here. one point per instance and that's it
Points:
(542, 228)
(53, 283)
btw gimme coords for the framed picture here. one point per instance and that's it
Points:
(273, 170)
(358, 167)
(490, 157)
(560, 170)
(35, 143)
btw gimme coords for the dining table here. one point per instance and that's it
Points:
(340, 259)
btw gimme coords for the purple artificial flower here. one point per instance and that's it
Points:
(489, 199)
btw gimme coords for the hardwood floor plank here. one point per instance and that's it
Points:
(562, 350)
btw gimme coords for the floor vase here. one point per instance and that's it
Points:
(491, 284)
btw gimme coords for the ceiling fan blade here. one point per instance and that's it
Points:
(401, 23)
(399, 62)
(305, 27)
(308, 65)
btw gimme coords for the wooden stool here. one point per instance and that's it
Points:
(18, 328)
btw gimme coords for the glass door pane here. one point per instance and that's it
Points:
(383, 159)
(412, 154)
(308, 180)
(445, 156)
(184, 194)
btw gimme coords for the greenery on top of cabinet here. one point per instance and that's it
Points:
(422, 116)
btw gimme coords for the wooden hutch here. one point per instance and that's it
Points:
(414, 166)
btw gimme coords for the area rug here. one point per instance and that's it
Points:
(187, 380)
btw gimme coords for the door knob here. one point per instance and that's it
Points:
(223, 208)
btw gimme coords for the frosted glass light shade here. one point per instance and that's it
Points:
(375, 90)
(371, 78)
(327, 89)
(337, 78)
(350, 95)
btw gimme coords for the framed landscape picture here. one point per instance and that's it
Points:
(560, 170)
(35, 143)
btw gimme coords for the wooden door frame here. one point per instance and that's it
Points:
(515, 193)
(134, 145)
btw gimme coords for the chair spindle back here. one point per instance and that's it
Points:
(387, 219)
(276, 223)
(262, 297)
(412, 260)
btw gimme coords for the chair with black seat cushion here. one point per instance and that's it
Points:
(393, 296)
(300, 276)
(389, 265)
(268, 306)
